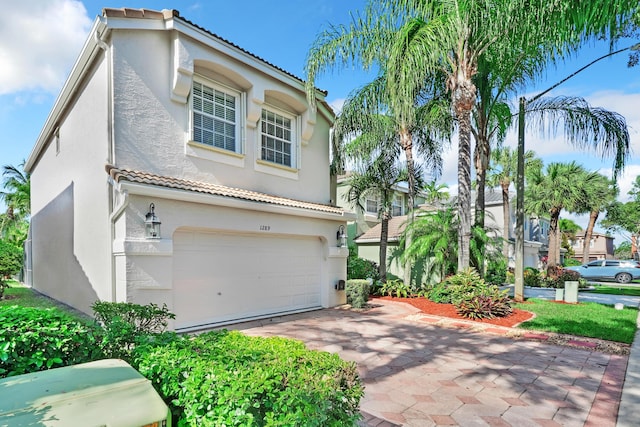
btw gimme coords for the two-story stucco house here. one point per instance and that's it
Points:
(162, 121)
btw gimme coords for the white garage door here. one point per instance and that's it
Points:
(221, 278)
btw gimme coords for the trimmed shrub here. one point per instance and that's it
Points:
(440, 293)
(474, 299)
(532, 277)
(357, 292)
(227, 378)
(563, 275)
(395, 288)
(126, 323)
(571, 262)
(35, 339)
(360, 268)
(496, 272)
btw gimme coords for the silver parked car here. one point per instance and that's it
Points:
(622, 271)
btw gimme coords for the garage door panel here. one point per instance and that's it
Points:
(221, 277)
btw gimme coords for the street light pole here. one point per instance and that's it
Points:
(519, 231)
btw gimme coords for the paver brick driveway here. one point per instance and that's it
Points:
(418, 374)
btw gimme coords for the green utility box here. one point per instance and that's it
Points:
(106, 393)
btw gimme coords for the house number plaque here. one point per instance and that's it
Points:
(265, 227)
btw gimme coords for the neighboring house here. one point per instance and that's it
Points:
(600, 247)
(535, 229)
(164, 121)
(367, 216)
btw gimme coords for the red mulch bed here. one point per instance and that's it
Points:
(448, 310)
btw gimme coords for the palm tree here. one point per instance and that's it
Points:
(413, 41)
(378, 177)
(434, 237)
(16, 196)
(600, 194)
(456, 37)
(367, 113)
(561, 186)
(503, 172)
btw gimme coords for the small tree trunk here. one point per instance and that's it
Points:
(554, 253)
(384, 237)
(505, 218)
(593, 217)
(407, 146)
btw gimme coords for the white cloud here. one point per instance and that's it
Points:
(337, 104)
(38, 41)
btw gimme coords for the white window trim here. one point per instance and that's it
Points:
(240, 117)
(295, 139)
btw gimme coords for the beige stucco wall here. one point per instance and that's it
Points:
(153, 131)
(70, 203)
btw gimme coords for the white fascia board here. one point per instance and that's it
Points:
(84, 61)
(210, 199)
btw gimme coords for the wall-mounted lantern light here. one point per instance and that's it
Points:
(341, 237)
(152, 224)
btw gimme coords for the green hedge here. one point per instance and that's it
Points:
(35, 339)
(358, 292)
(227, 378)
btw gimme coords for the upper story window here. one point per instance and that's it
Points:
(397, 208)
(371, 205)
(278, 141)
(216, 116)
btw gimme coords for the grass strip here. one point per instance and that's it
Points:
(612, 290)
(587, 319)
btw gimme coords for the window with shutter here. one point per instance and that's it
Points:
(215, 116)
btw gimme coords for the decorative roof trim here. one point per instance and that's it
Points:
(145, 178)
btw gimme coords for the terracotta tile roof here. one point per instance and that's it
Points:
(139, 177)
(396, 227)
(172, 13)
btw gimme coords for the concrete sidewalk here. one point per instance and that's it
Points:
(417, 373)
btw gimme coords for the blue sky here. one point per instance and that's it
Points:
(40, 40)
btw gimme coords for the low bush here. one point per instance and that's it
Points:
(357, 292)
(360, 268)
(474, 298)
(227, 378)
(395, 288)
(35, 339)
(532, 277)
(126, 323)
(562, 275)
(496, 272)
(440, 293)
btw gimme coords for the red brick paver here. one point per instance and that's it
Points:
(417, 373)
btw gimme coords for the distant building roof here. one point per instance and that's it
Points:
(397, 225)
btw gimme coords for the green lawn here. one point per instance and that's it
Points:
(617, 290)
(585, 319)
(18, 294)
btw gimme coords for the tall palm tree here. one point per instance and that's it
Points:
(560, 186)
(367, 113)
(378, 177)
(601, 193)
(16, 196)
(455, 37)
(414, 40)
(502, 172)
